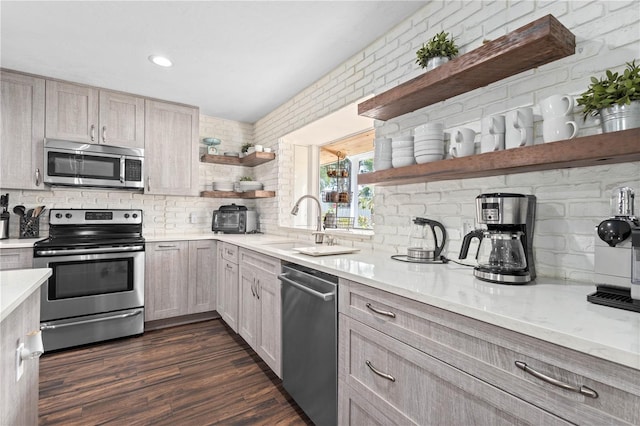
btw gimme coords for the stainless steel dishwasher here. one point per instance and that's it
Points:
(310, 341)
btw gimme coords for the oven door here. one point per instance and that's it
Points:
(229, 222)
(86, 284)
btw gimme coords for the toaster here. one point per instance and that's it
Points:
(234, 219)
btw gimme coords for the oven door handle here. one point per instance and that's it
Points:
(49, 326)
(122, 167)
(89, 251)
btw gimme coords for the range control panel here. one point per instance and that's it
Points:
(95, 216)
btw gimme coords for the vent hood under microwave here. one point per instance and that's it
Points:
(68, 163)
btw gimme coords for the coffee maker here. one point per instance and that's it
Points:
(505, 250)
(617, 255)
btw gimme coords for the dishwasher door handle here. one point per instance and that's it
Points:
(324, 296)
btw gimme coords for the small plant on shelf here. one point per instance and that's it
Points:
(246, 146)
(246, 179)
(613, 89)
(440, 46)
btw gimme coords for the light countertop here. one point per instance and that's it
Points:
(16, 286)
(11, 243)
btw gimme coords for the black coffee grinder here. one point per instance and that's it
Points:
(505, 250)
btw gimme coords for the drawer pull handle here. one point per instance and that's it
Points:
(579, 389)
(379, 373)
(378, 311)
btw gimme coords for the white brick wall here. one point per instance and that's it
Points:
(570, 202)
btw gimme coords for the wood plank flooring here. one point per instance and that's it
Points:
(195, 374)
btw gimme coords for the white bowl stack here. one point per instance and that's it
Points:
(402, 151)
(382, 154)
(429, 142)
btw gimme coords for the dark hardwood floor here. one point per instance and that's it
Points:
(196, 374)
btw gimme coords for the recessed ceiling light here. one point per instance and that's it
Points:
(160, 60)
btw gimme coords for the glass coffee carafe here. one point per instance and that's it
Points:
(502, 252)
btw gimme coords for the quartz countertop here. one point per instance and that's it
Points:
(17, 285)
(19, 242)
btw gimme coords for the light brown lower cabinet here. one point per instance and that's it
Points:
(19, 398)
(16, 258)
(180, 278)
(405, 362)
(260, 315)
(228, 284)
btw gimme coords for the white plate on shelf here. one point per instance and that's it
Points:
(322, 250)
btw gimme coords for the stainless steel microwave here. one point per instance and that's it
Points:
(84, 164)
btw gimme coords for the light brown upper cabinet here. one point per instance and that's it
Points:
(86, 114)
(171, 148)
(22, 131)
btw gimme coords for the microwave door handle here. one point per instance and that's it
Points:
(122, 163)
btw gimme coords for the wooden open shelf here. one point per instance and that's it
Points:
(251, 160)
(607, 148)
(540, 42)
(246, 194)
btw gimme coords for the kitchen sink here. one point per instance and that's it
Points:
(287, 245)
(311, 249)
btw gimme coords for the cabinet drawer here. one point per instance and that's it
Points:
(354, 409)
(411, 387)
(230, 252)
(19, 258)
(267, 263)
(489, 353)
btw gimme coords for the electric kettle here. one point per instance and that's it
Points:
(424, 243)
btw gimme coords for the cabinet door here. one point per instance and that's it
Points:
(72, 112)
(202, 276)
(411, 387)
(121, 119)
(269, 329)
(19, 399)
(171, 149)
(17, 258)
(166, 276)
(229, 294)
(249, 306)
(22, 131)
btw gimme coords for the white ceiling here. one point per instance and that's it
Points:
(237, 60)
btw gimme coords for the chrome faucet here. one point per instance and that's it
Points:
(294, 211)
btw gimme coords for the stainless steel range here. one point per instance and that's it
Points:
(96, 291)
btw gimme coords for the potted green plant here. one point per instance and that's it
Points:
(436, 51)
(615, 98)
(245, 147)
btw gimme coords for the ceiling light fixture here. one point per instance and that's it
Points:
(160, 60)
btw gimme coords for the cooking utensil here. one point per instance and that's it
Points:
(38, 211)
(4, 202)
(19, 210)
(29, 213)
(614, 231)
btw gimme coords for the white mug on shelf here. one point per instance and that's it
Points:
(556, 106)
(463, 135)
(519, 128)
(491, 143)
(462, 149)
(558, 128)
(493, 125)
